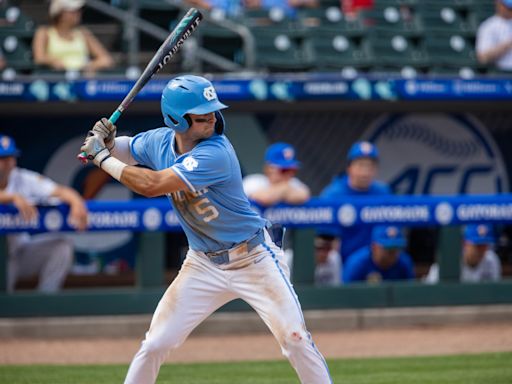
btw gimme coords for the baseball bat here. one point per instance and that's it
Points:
(167, 50)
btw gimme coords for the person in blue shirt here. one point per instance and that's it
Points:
(384, 259)
(362, 158)
(231, 255)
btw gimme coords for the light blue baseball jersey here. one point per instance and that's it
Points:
(214, 213)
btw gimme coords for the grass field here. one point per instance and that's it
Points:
(491, 368)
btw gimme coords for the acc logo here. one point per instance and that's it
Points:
(443, 213)
(209, 93)
(190, 163)
(53, 220)
(437, 154)
(152, 218)
(347, 215)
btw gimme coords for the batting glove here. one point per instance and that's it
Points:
(95, 148)
(107, 131)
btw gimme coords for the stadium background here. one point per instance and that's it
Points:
(53, 111)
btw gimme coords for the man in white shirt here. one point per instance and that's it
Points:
(479, 261)
(494, 37)
(48, 255)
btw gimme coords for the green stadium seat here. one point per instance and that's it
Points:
(396, 19)
(280, 52)
(14, 22)
(445, 20)
(17, 53)
(221, 41)
(335, 50)
(398, 50)
(451, 50)
(332, 20)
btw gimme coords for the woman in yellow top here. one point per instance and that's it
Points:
(65, 45)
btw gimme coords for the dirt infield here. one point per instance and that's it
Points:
(360, 343)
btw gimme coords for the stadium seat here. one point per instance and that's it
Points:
(330, 19)
(451, 50)
(17, 53)
(445, 19)
(14, 22)
(396, 19)
(280, 52)
(335, 50)
(397, 50)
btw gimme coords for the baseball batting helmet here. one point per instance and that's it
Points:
(8, 147)
(189, 94)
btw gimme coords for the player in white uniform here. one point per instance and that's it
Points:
(47, 255)
(479, 261)
(231, 253)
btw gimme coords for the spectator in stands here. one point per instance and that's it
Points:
(494, 37)
(479, 261)
(65, 45)
(46, 255)
(327, 263)
(278, 183)
(384, 259)
(360, 180)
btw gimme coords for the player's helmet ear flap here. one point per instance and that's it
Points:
(219, 124)
(188, 94)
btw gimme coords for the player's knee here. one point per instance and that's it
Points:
(294, 340)
(159, 348)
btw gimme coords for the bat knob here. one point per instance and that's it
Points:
(83, 158)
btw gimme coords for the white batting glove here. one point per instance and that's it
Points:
(107, 131)
(95, 148)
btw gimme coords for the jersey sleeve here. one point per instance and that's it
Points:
(484, 38)
(206, 165)
(145, 146)
(40, 188)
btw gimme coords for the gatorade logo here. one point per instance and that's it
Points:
(209, 93)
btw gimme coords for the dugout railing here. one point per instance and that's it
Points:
(152, 218)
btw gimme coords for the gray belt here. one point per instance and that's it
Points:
(223, 257)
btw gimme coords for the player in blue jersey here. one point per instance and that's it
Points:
(231, 252)
(360, 180)
(383, 260)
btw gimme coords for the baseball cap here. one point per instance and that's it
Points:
(479, 234)
(8, 147)
(57, 6)
(281, 155)
(507, 3)
(363, 149)
(388, 236)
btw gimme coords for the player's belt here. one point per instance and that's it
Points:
(239, 251)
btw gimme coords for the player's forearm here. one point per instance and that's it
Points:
(69, 196)
(151, 183)
(297, 195)
(268, 196)
(491, 55)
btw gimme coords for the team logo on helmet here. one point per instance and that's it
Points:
(209, 93)
(392, 232)
(288, 153)
(190, 163)
(5, 142)
(482, 230)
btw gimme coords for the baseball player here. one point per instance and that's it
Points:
(362, 159)
(231, 253)
(48, 255)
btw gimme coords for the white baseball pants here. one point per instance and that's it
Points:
(261, 279)
(46, 255)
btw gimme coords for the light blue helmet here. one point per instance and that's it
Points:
(189, 94)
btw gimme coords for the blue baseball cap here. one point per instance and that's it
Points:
(363, 149)
(388, 236)
(8, 147)
(507, 3)
(479, 234)
(282, 155)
